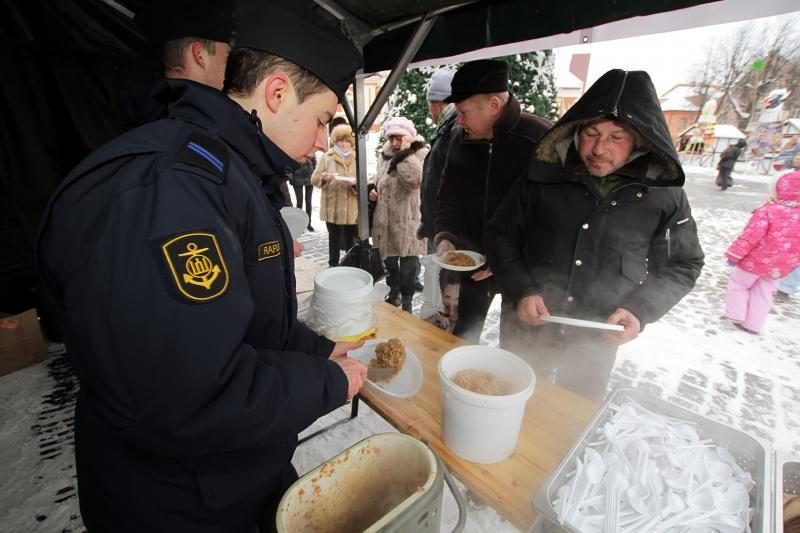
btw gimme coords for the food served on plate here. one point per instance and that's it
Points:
(459, 259)
(389, 354)
(482, 382)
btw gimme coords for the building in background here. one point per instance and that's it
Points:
(572, 84)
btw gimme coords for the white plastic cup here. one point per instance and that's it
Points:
(478, 427)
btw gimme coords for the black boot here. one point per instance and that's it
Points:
(406, 302)
(394, 297)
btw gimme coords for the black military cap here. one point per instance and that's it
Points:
(303, 37)
(478, 77)
(161, 21)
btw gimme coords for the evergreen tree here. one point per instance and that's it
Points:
(533, 82)
(408, 100)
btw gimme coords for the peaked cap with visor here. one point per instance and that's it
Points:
(302, 36)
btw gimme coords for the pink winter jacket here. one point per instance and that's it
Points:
(769, 245)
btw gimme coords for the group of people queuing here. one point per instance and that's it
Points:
(585, 218)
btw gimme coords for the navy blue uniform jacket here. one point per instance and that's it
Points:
(176, 277)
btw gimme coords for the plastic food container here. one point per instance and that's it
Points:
(478, 427)
(752, 455)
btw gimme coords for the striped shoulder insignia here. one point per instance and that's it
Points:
(205, 152)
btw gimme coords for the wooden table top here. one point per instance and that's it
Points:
(553, 418)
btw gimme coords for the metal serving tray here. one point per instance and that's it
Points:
(753, 455)
(787, 480)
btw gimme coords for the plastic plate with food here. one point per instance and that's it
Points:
(405, 383)
(460, 260)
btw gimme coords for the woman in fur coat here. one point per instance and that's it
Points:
(336, 176)
(397, 212)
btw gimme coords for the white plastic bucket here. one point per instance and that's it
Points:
(481, 428)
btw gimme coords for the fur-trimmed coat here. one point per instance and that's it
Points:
(397, 211)
(339, 201)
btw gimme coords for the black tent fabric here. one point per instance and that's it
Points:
(68, 64)
(66, 68)
(491, 23)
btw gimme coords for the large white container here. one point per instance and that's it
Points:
(481, 428)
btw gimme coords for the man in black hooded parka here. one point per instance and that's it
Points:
(599, 229)
(175, 275)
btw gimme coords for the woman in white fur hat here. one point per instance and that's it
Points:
(397, 212)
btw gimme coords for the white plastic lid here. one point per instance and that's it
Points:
(343, 283)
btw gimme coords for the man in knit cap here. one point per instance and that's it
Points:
(444, 116)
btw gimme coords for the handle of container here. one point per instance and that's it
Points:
(462, 505)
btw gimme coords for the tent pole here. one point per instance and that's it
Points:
(360, 100)
(398, 70)
(365, 121)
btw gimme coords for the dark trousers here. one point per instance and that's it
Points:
(298, 193)
(340, 237)
(475, 297)
(400, 276)
(577, 359)
(724, 179)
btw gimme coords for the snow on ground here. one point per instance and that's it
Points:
(690, 357)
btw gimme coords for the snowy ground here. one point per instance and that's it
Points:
(691, 357)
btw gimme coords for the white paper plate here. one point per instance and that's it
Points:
(347, 179)
(405, 384)
(582, 323)
(474, 255)
(296, 219)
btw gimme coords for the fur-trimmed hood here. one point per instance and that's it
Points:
(627, 97)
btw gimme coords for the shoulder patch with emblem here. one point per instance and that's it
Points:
(205, 152)
(196, 265)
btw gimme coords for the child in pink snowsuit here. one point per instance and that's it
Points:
(767, 250)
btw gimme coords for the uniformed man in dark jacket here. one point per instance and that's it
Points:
(176, 279)
(489, 150)
(600, 229)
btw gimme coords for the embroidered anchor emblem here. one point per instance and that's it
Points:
(197, 266)
(201, 271)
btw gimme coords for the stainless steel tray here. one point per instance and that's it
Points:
(787, 480)
(752, 454)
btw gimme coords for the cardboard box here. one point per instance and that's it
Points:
(21, 341)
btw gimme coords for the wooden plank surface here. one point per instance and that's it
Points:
(553, 419)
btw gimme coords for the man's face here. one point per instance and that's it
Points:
(605, 146)
(301, 129)
(477, 116)
(215, 69)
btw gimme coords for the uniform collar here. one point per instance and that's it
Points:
(213, 111)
